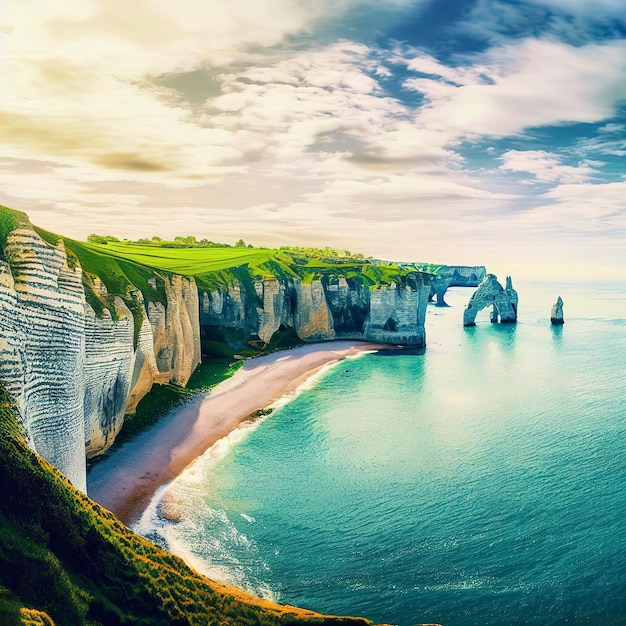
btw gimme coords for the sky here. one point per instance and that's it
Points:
(446, 131)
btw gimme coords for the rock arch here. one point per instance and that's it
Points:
(502, 300)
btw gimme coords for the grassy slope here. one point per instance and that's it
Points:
(9, 220)
(185, 261)
(217, 266)
(123, 266)
(65, 556)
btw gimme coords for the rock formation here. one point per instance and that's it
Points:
(323, 310)
(42, 348)
(556, 315)
(503, 301)
(74, 374)
(455, 276)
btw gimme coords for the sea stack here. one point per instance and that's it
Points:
(556, 316)
(490, 292)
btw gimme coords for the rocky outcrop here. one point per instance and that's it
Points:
(455, 276)
(490, 293)
(107, 374)
(120, 371)
(322, 310)
(556, 315)
(397, 314)
(72, 373)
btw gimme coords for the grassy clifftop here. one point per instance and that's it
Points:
(211, 266)
(124, 266)
(65, 560)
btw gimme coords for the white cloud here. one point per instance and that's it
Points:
(546, 167)
(528, 84)
(605, 202)
(78, 82)
(612, 128)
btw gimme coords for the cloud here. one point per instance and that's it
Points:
(87, 82)
(531, 84)
(546, 167)
(603, 204)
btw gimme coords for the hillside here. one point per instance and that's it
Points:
(65, 557)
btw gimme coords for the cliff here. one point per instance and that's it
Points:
(67, 561)
(320, 310)
(74, 373)
(85, 332)
(490, 293)
(455, 276)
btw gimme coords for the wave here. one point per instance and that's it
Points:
(182, 518)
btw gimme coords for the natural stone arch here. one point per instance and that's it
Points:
(502, 300)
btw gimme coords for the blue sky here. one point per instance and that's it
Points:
(450, 131)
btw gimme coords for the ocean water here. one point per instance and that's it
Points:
(480, 483)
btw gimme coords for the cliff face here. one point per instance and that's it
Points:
(322, 310)
(120, 371)
(456, 276)
(72, 373)
(42, 348)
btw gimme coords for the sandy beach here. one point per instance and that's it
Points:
(126, 480)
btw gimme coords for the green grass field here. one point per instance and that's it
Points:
(122, 265)
(203, 262)
(185, 261)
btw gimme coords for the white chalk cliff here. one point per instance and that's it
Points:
(72, 373)
(322, 310)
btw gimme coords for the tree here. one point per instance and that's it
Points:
(240, 244)
(93, 238)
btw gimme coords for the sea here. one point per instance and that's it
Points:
(480, 483)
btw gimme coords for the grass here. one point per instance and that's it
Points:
(64, 557)
(184, 261)
(9, 221)
(215, 267)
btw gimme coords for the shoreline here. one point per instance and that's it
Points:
(126, 481)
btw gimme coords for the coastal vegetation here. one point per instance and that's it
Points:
(188, 257)
(67, 561)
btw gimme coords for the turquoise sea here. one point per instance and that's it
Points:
(480, 483)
